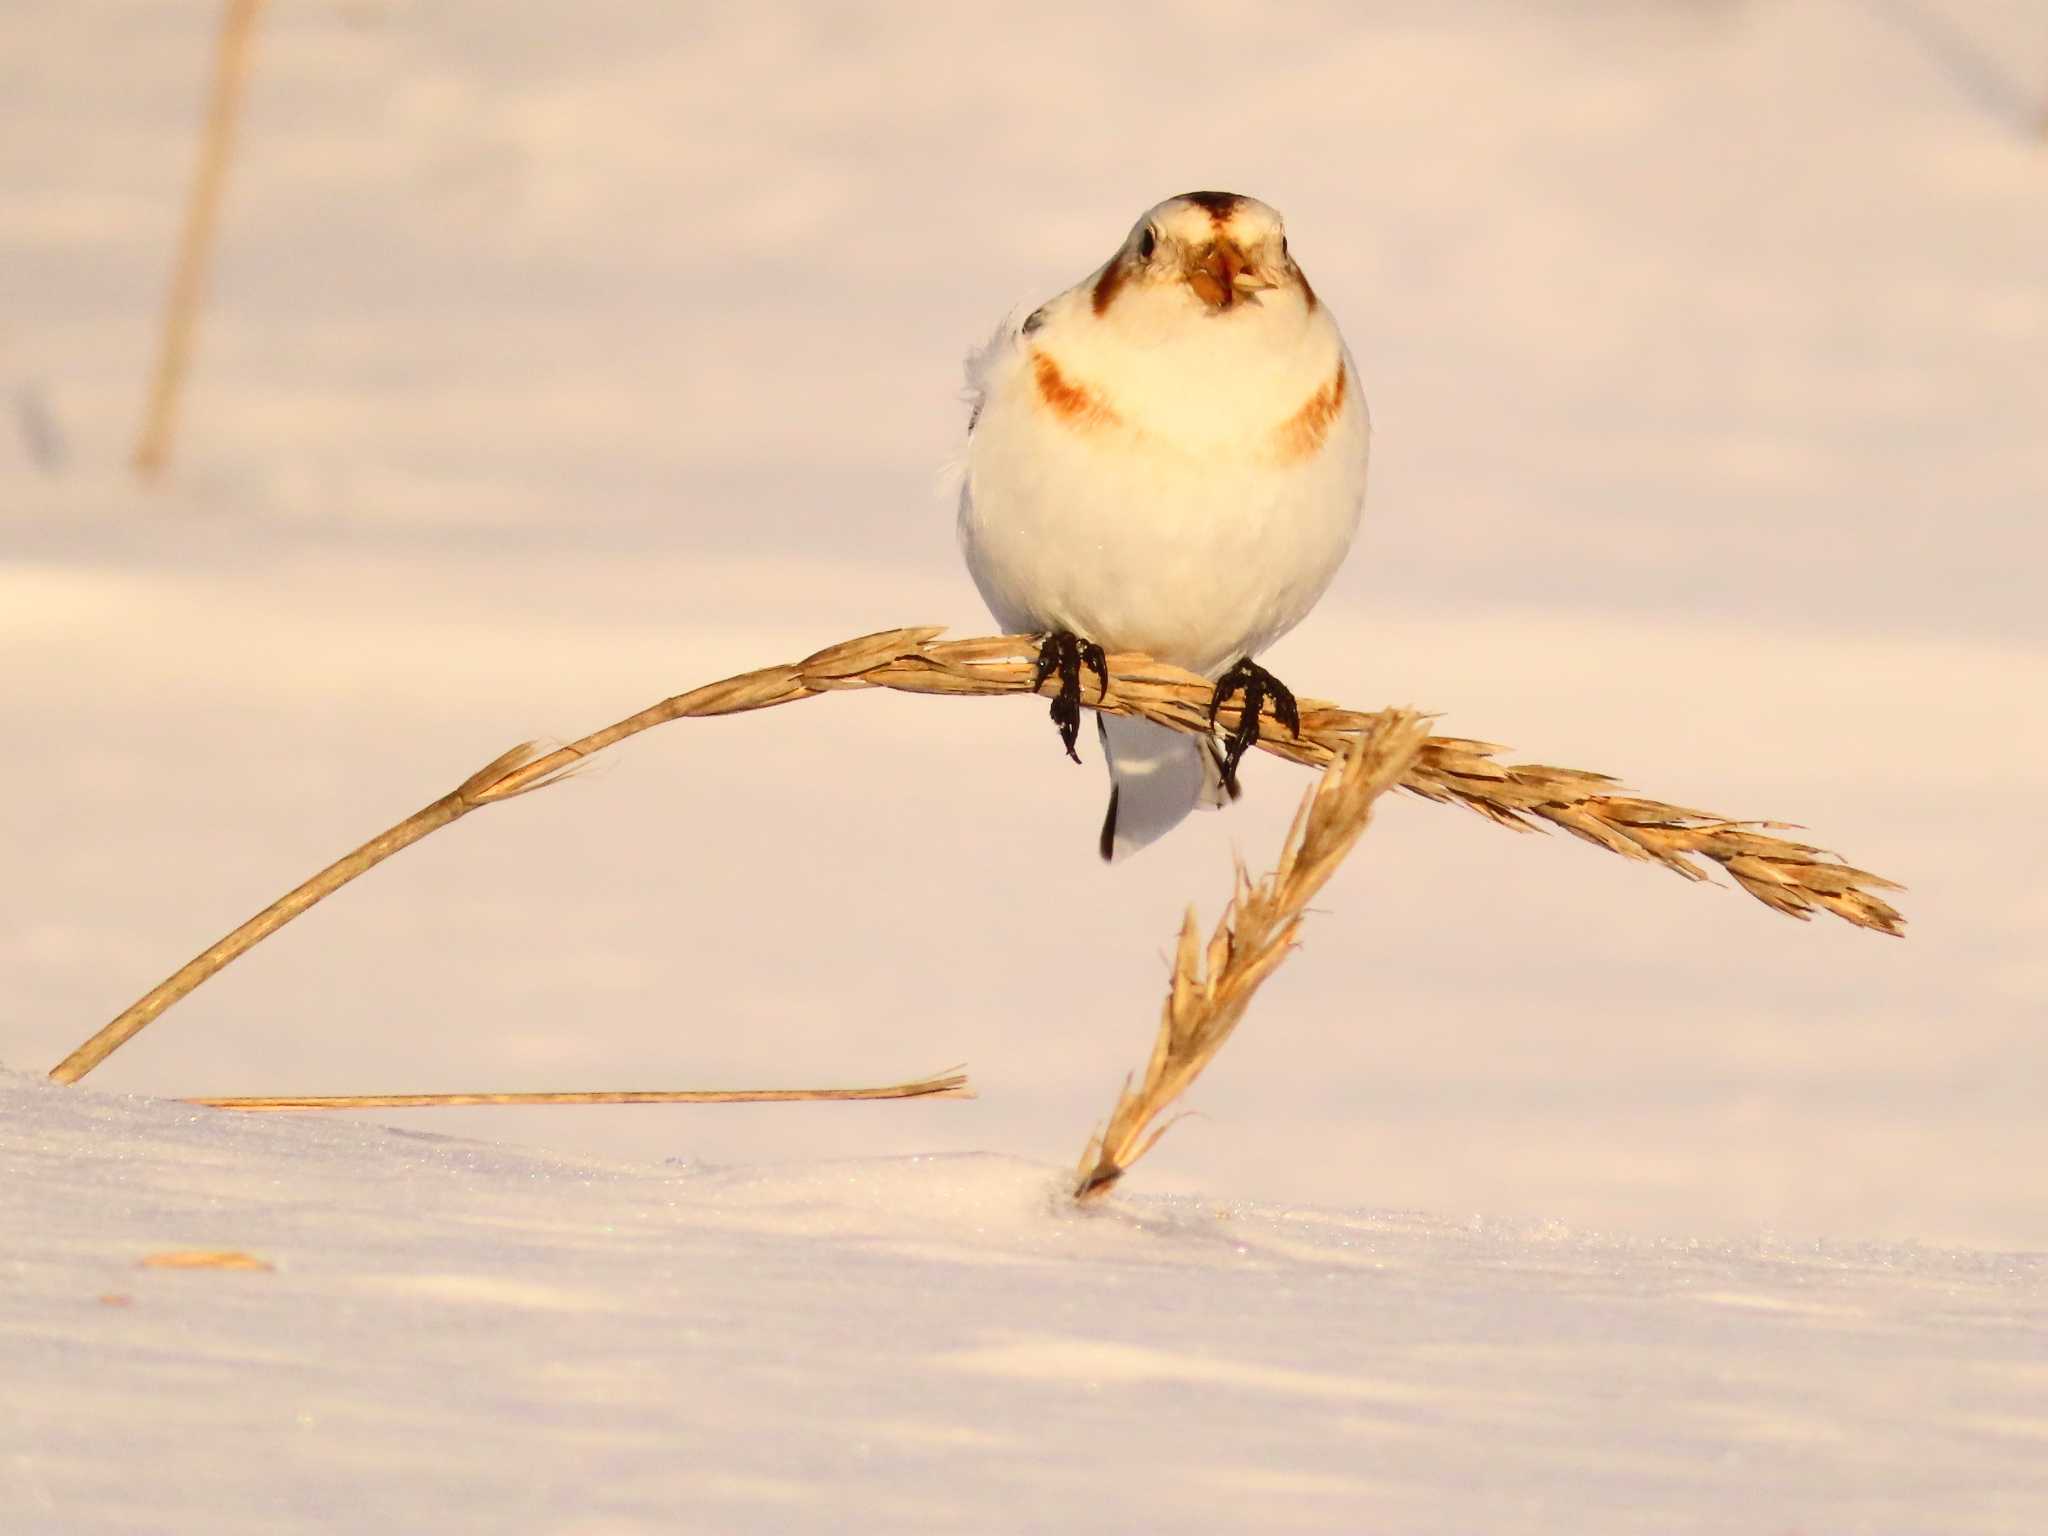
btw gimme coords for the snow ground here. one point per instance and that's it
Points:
(563, 357)
(460, 1336)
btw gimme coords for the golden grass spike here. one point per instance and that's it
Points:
(1212, 984)
(1448, 769)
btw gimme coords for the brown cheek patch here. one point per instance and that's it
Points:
(1308, 294)
(1301, 435)
(1106, 285)
(1075, 404)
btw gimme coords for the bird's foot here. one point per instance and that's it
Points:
(1066, 653)
(1258, 686)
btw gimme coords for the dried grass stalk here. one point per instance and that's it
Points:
(235, 43)
(947, 1085)
(1790, 877)
(200, 1258)
(1213, 984)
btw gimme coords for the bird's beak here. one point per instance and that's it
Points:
(1221, 276)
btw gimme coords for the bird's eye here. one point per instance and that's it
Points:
(1147, 243)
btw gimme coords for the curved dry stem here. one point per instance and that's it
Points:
(1790, 877)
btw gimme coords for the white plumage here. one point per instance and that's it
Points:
(1169, 457)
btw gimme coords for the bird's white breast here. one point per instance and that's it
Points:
(1186, 487)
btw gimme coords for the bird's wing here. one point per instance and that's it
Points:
(987, 362)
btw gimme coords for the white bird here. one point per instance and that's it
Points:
(1169, 457)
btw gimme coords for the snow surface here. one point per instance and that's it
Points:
(459, 1336)
(560, 357)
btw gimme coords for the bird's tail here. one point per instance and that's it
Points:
(1156, 777)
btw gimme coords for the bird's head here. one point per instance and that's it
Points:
(1216, 251)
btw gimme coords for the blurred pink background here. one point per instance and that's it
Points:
(559, 358)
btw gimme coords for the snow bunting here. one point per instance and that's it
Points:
(1169, 457)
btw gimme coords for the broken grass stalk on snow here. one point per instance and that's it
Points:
(950, 1084)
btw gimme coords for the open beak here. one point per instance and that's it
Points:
(1221, 276)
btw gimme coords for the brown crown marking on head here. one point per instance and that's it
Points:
(1112, 279)
(1301, 435)
(1218, 205)
(1075, 404)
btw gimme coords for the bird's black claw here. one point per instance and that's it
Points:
(1066, 653)
(1258, 687)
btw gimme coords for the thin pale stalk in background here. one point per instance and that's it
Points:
(236, 42)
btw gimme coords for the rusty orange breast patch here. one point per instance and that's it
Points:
(1077, 405)
(1301, 435)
